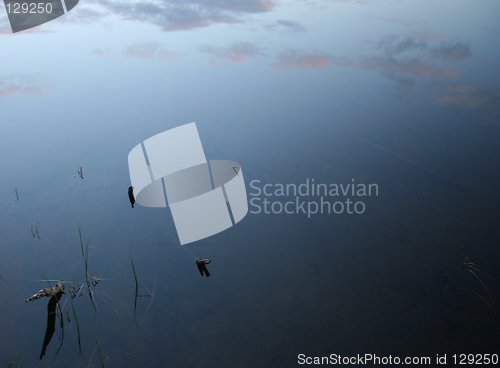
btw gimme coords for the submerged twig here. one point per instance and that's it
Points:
(55, 292)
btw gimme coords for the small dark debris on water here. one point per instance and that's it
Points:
(95, 280)
(34, 232)
(80, 172)
(131, 196)
(202, 266)
(17, 195)
(50, 291)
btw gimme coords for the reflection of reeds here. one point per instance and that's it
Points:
(479, 274)
(136, 280)
(56, 291)
(78, 335)
(16, 363)
(475, 270)
(61, 325)
(113, 307)
(84, 246)
(34, 231)
(152, 294)
(136, 294)
(97, 349)
(101, 359)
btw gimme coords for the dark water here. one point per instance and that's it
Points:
(281, 285)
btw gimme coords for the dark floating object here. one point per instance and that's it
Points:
(202, 266)
(131, 196)
(79, 173)
(51, 321)
(57, 311)
(17, 195)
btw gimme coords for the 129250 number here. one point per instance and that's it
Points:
(475, 359)
(29, 8)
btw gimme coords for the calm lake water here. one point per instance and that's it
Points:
(389, 281)
(280, 284)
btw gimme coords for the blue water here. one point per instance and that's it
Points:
(281, 284)
(424, 128)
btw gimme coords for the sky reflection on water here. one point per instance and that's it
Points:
(386, 92)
